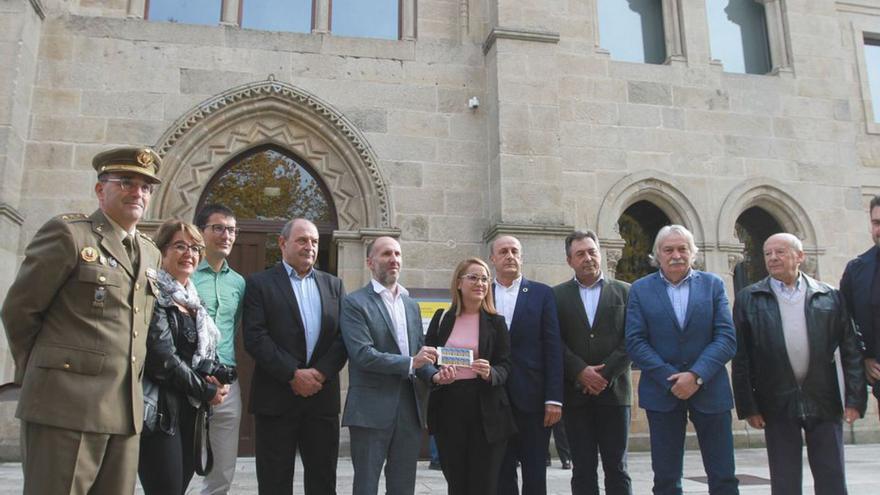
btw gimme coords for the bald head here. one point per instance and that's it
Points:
(384, 259)
(506, 258)
(783, 255)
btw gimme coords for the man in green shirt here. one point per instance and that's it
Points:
(222, 290)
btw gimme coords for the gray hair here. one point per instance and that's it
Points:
(666, 232)
(578, 235)
(792, 239)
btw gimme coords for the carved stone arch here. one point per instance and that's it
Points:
(653, 186)
(770, 196)
(270, 112)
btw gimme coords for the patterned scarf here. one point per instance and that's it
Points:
(171, 292)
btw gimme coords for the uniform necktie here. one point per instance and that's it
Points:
(128, 242)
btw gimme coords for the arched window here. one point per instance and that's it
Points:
(753, 227)
(266, 187)
(638, 226)
(632, 30)
(738, 35)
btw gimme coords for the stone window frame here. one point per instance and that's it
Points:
(777, 37)
(672, 31)
(866, 29)
(230, 15)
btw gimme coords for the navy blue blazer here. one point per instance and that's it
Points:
(855, 285)
(535, 348)
(660, 347)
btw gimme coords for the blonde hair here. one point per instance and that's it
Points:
(486, 304)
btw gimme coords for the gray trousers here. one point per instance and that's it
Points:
(225, 423)
(395, 447)
(824, 451)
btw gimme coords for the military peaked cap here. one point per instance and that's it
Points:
(143, 161)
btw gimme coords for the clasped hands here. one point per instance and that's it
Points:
(307, 382)
(592, 382)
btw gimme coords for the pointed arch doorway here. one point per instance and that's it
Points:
(266, 186)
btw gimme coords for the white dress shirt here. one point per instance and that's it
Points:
(397, 312)
(590, 297)
(505, 299)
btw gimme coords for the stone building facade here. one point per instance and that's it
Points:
(563, 135)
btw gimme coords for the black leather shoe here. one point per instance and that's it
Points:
(566, 464)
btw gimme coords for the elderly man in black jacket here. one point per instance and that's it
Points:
(784, 375)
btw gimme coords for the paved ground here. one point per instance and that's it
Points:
(862, 462)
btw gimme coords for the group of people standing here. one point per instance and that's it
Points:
(102, 319)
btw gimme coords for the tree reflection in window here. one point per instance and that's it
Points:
(638, 226)
(269, 184)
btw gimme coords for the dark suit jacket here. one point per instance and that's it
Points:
(661, 348)
(535, 349)
(855, 285)
(494, 346)
(603, 342)
(274, 335)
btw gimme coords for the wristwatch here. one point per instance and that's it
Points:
(699, 379)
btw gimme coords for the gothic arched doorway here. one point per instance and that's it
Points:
(266, 186)
(638, 226)
(753, 227)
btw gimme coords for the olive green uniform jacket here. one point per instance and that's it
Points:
(76, 318)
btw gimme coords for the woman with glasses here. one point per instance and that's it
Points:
(470, 417)
(181, 338)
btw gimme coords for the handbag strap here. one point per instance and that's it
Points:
(203, 426)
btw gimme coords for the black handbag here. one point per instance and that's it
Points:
(151, 405)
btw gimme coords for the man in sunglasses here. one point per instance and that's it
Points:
(222, 291)
(76, 318)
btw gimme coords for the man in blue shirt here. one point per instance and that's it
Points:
(679, 332)
(222, 290)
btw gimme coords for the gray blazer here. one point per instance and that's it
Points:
(376, 369)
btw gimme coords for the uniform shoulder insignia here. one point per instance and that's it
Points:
(73, 217)
(147, 238)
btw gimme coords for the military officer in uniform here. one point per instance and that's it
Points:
(76, 319)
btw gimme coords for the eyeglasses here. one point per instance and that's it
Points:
(474, 278)
(218, 229)
(182, 247)
(129, 185)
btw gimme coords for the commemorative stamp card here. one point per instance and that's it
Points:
(455, 356)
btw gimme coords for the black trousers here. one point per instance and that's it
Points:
(277, 439)
(598, 430)
(560, 439)
(167, 462)
(824, 452)
(469, 462)
(529, 447)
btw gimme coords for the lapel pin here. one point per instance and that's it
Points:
(112, 262)
(525, 289)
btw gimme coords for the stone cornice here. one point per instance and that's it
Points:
(38, 8)
(857, 7)
(7, 211)
(518, 34)
(515, 229)
(371, 233)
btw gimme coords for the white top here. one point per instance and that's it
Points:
(397, 311)
(590, 297)
(505, 299)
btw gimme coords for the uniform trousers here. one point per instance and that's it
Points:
(61, 461)
(715, 437)
(470, 463)
(225, 423)
(824, 451)
(397, 447)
